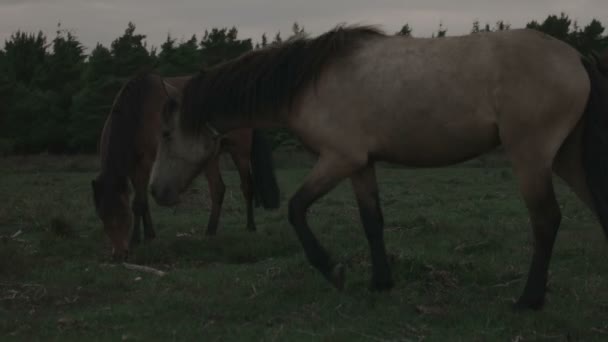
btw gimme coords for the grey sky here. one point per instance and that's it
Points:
(103, 20)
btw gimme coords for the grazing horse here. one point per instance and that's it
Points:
(128, 147)
(356, 96)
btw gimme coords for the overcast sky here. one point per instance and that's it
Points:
(103, 20)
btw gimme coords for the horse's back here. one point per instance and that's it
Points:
(438, 101)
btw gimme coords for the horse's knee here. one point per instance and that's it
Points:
(296, 210)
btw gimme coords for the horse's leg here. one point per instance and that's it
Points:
(326, 174)
(242, 162)
(136, 232)
(149, 233)
(537, 189)
(140, 206)
(216, 192)
(568, 166)
(366, 190)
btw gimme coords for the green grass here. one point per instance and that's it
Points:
(458, 237)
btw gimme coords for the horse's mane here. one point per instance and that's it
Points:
(118, 149)
(267, 80)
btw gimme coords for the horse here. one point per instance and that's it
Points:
(128, 146)
(355, 96)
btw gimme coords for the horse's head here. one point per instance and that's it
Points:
(112, 207)
(180, 157)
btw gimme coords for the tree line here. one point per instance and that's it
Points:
(54, 97)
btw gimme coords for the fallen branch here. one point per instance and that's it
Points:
(144, 269)
(507, 284)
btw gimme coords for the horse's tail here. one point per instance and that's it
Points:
(595, 141)
(262, 169)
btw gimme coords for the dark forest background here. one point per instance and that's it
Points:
(55, 97)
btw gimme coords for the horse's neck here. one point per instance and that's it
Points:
(255, 122)
(179, 81)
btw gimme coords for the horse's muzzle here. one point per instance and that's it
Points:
(164, 196)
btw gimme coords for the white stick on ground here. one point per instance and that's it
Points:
(144, 269)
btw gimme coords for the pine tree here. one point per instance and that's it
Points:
(92, 103)
(277, 39)
(405, 31)
(130, 53)
(264, 40)
(476, 27)
(220, 45)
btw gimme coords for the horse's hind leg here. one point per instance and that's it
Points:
(366, 190)
(536, 186)
(242, 162)
(326, 174)
(569, 167)
(217, 189)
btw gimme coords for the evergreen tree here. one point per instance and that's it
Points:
(277, 39)
(590, 38)
(405, 31)
(92, 103)
(188, 57)
(441, 32)
(476, 27)
(24, 56)
(167, 57)
(220, 45)
(502, 26)
(297, 30)
(558, 27)
(130, 53)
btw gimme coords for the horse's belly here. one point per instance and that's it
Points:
(428, 147)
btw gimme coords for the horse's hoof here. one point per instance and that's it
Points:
(252, 229)
(210, 232)
(524, 304)
(337, 277)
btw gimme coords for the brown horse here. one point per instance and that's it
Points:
(128, 148)
(356, 96)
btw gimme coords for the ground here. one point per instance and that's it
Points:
(458, 239)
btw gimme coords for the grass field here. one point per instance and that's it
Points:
(458, 239)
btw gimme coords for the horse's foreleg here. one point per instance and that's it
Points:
(149, 232)
(136, 232)
(326, 174)
(242, 163)
(141, 210)
(366, 190)
(217, 189)
(545, 216)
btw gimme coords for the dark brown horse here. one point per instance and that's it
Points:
(356, 96)
(128, 147)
